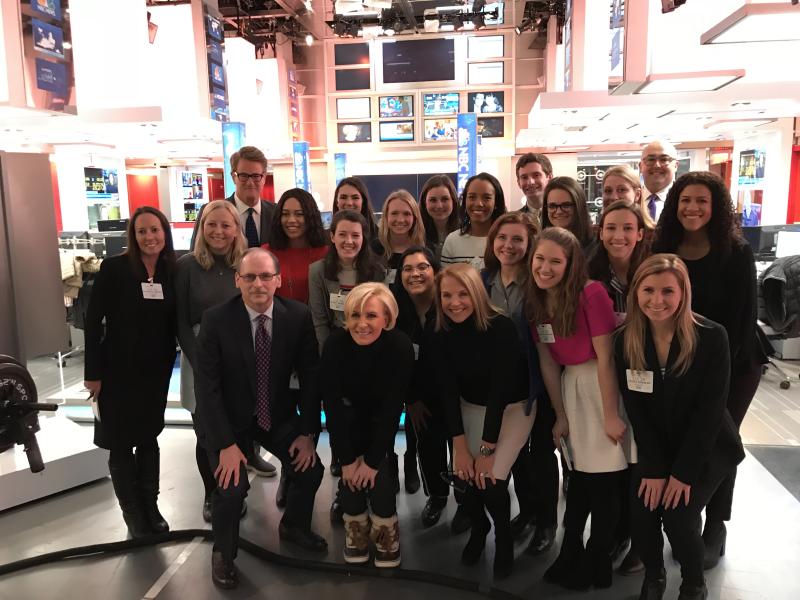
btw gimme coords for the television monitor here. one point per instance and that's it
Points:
(764, 239)
(112, 225)
(111, 181)
(214, 28)
(352, 79)
(397, 131)
(440, 130)
(395, 106)
(351, 54)
(181, 237)
(47, 39)
(217, 74)
(486, 102)
(491, 127)
(327, 218)
(445, 103)
(93, 180)
(349, 133)
(485, 73)
(419, 60)
(481, 47)
(353, 108)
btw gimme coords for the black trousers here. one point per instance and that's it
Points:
(203, 467)
(381, 498)
(535, 471)
(433, 443)
(744, 383)
(596, 494)
(227, 503)
(681, 524)
(623, 531)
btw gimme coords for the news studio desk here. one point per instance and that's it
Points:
(70, 459)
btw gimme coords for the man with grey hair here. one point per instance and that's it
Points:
(658, 166)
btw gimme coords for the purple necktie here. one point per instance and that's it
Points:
(263, 351)
(651, 205)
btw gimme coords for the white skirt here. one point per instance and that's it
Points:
(514, 432)
(591, 449)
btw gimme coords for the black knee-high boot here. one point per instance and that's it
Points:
(473, 504)
(498, 503)
(122, 467)
(149, 470)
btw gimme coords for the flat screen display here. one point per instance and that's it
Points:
(491, 127)
(485, 46)
(486, 102)
(349, 133)
(100, 182)
(47, 38)
(351, 54)
(440, 104)
(217, 74)
(419, 60)
(397, 131)
(353, 108)
(352, 79)
(485, 73)
(214, 28)
(440, 130)
(395, 106)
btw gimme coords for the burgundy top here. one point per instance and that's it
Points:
(294, 270)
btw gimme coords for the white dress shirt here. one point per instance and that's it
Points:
(242, 208)
(662, 197)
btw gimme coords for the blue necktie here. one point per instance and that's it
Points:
(250, 231)
(651, 206)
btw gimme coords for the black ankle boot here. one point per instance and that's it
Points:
(600, 561)
(148, 466)
(653, 587)
(714, 537)
(498, 504)
(123, 478)
(569, 556)
(474, 507)
(693, 592)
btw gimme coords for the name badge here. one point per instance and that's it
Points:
(294, 381)
(477, 262)
(640, 381)
(545, 332)
(416, 351)
(391, 276)
(337, 301)
(152, 291)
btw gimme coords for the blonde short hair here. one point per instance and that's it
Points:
(239, 245)
(359, 295)
(482, 309)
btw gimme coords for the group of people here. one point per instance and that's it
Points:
(630, 347)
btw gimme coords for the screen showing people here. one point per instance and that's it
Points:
(486, 102)
(439, 130)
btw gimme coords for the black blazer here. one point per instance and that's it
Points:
(225, 376)
(684, 424)
(267, 212)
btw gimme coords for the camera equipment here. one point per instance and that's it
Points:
(19, 420)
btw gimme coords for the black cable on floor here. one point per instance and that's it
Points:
(264, 554)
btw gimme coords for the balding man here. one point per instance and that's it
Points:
(658, 166)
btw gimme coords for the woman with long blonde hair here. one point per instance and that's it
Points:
(674, 367)
(400, 228)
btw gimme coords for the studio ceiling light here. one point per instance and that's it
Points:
(675, 83)
(766, 22)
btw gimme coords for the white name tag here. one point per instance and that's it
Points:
(416, 351)
(152, 291)
(545, 332)
(640, 381)
(391, 276)
(337, 301)
(477, 262)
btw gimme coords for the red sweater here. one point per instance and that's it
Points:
(294, 270)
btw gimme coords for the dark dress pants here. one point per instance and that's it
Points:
(382, 497)
(227, 503)
(432, 448)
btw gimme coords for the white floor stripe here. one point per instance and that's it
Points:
(162, 582)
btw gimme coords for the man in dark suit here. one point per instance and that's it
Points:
(249, 171)
(247, 350)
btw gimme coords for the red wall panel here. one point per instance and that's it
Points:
(142, 191)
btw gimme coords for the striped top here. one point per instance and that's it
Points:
(463, 248)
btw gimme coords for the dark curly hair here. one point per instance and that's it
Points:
(315, 233)
(499, 200)
(721, 228)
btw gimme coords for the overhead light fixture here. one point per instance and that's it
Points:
(766, 22)
(728, 124)
(309, 39)
(676, 83)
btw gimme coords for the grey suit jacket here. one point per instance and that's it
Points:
(267, 211)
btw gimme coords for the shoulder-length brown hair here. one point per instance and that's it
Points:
(567, 291)
(134, 253)
(234, 254)
(417, 232)
(366, 205)
(636, 323)
(599, 263)
(581, 224)
(453, 221)
(482, 309)
(492, 264)
(368, 267)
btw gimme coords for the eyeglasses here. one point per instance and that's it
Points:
(563, 207)
(420, 268)
(251, 277)
(255, 177)
(662, 160)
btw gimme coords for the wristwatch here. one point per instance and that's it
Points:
(486, 450)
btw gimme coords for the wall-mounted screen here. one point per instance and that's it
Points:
(351, 54)
(100, 182)
(485, 73)
(353, 108)
(217, 74)
(491, 127)
(395, 106)
(47, 38)
(440, 104)
(440, 130)
(489, 8)
(354, 132)
(352, 79)
(486, 102)
(419, 60)
(215, 28)
(480, 47)
(397, 131)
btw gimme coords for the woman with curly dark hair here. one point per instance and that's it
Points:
(698, 225)
(565, 206)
